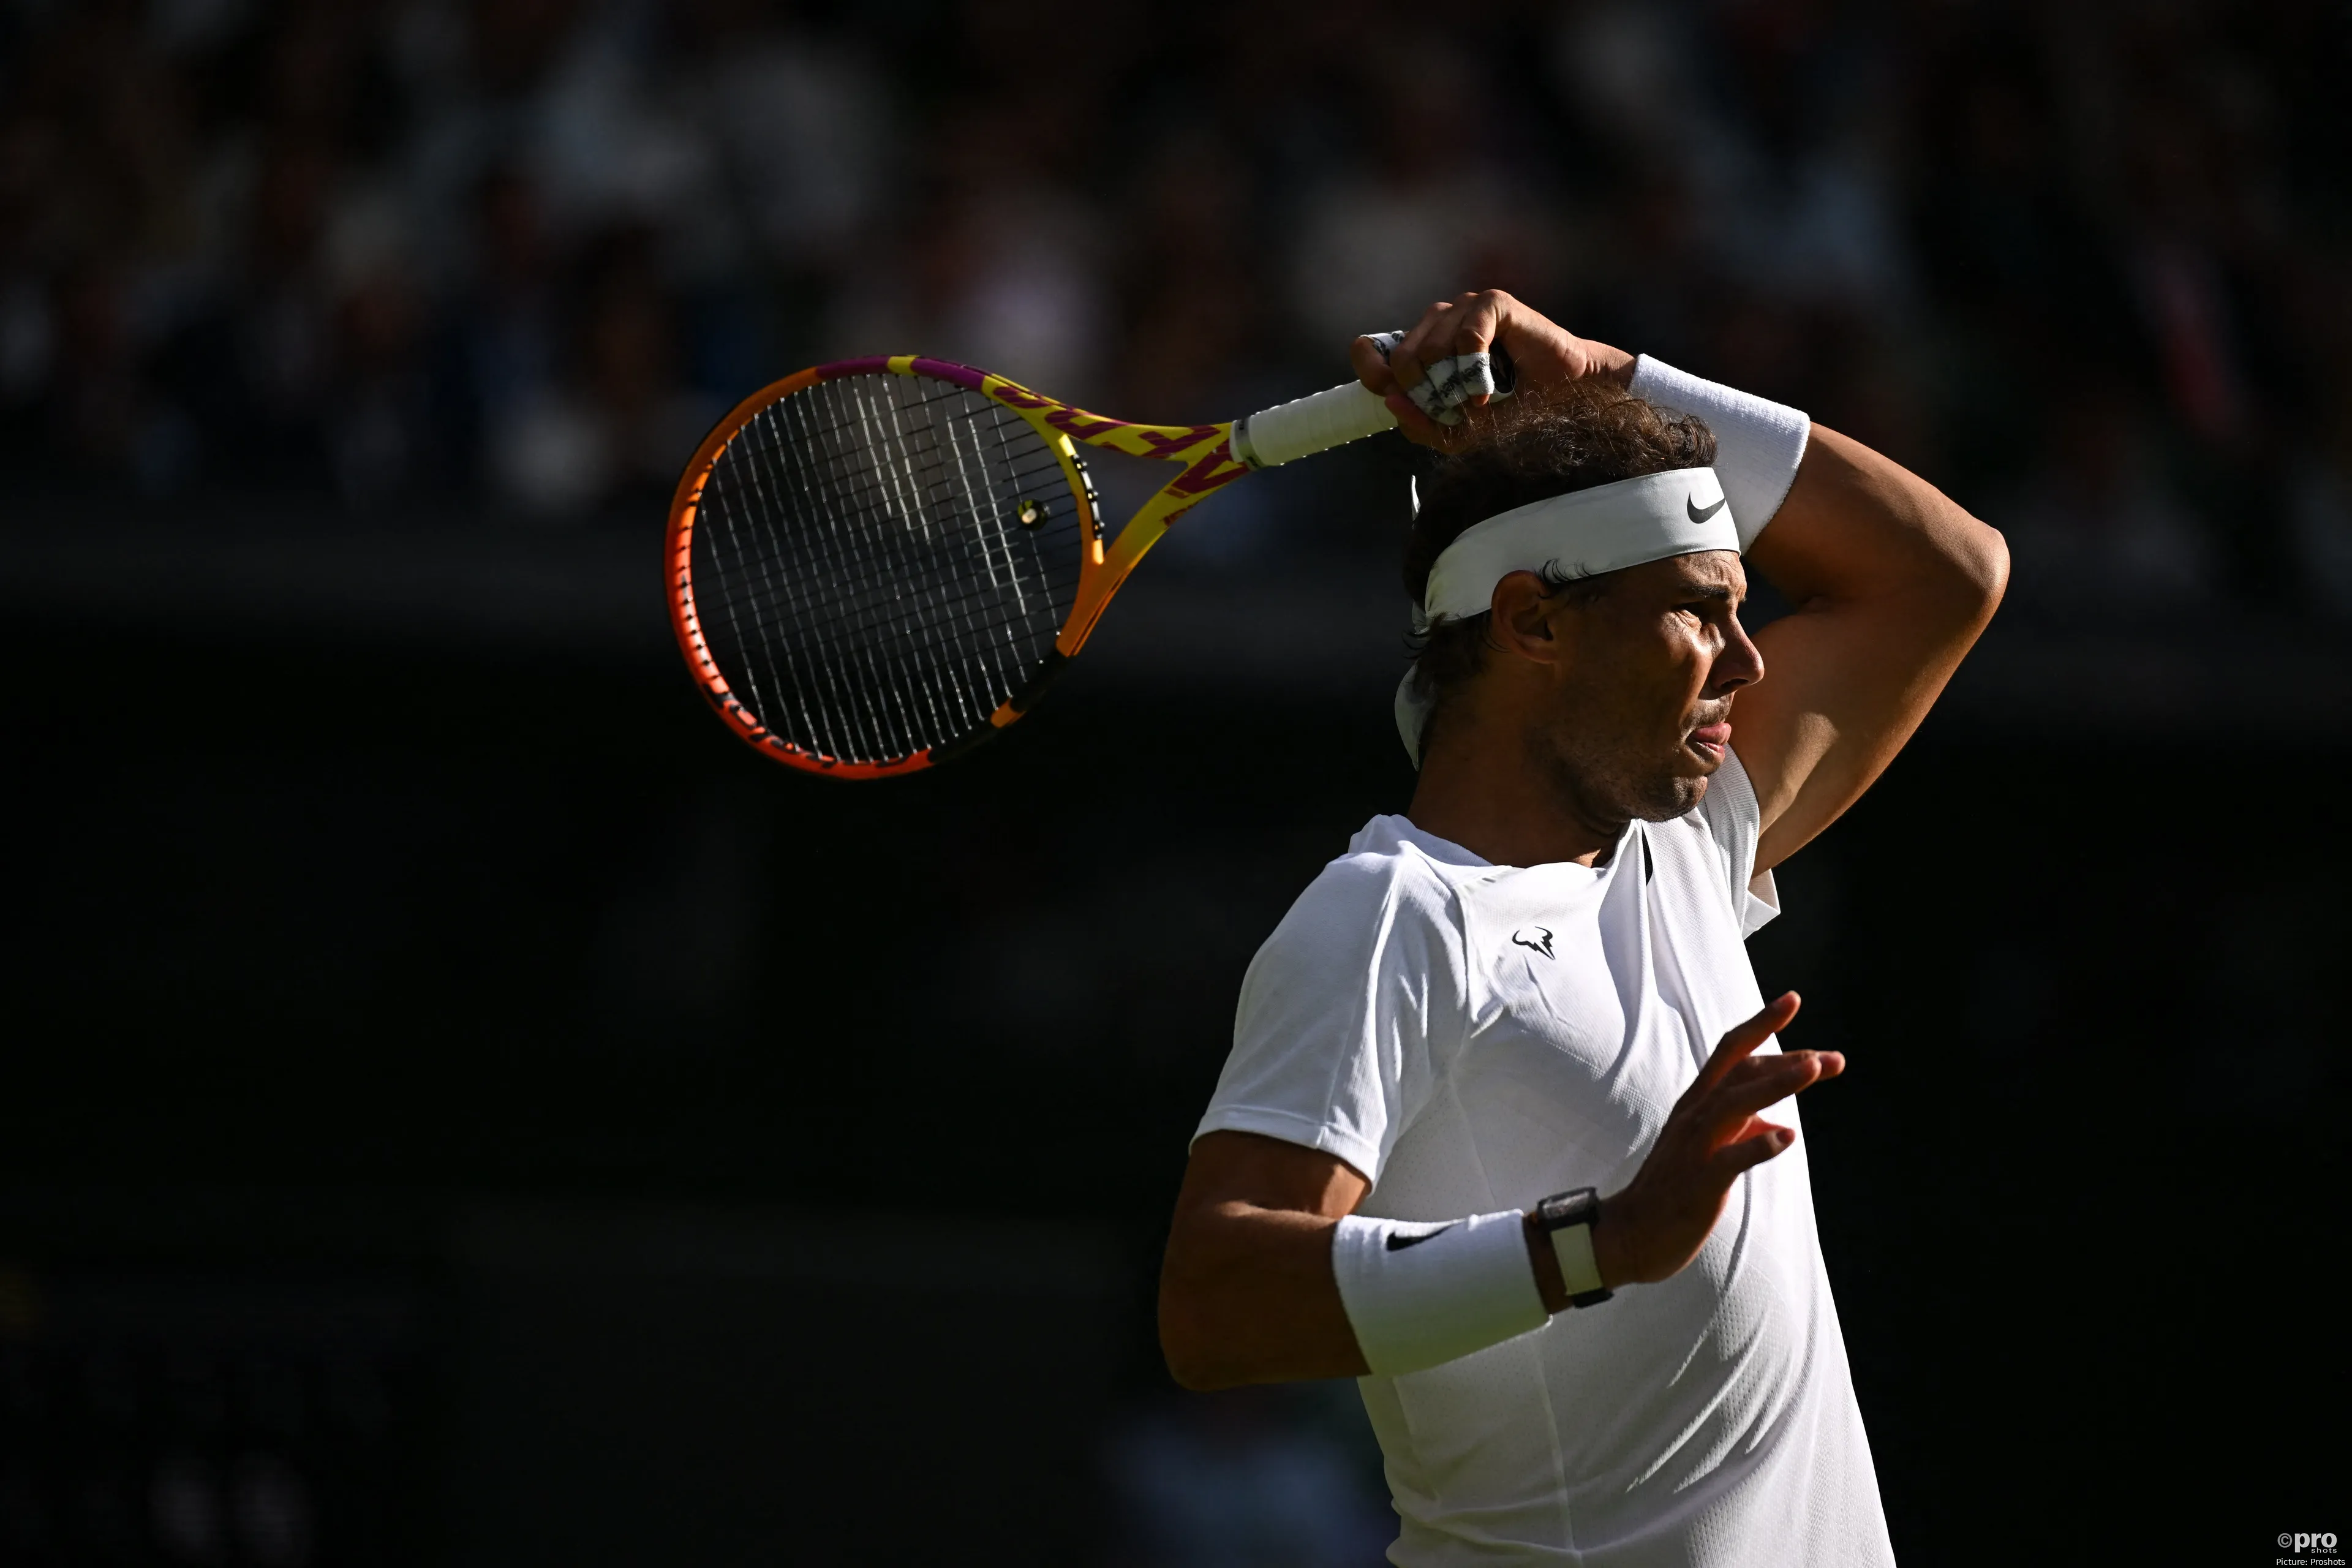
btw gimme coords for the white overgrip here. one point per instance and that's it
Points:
(1311, 425)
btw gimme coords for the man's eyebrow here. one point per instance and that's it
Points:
(1706, 591)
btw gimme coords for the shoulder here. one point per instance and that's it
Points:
(1346, 1003)
(1386, 894)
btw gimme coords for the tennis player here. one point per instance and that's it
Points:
(1506, 1132)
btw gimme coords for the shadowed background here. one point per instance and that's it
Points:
(462, 1106)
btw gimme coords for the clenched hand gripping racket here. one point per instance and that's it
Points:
(877, 564)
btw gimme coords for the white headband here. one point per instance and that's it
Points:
(1580, 534)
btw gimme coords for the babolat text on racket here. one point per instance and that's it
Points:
(877, 564)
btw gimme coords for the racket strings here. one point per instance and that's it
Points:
(863, 577)
(841, 703)
(884, 585)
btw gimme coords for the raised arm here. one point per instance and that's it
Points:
(1890, 583)
(1890, 580)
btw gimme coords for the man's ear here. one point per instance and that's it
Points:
(1521, 619)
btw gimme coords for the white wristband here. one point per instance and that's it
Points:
(1758, 443)
(1422, 1295)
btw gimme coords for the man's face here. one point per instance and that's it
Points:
(1640, 708)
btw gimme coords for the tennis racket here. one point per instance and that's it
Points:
(875, 565)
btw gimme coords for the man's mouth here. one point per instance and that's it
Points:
(1709, 741)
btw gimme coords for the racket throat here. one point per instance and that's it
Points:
(1099, 583)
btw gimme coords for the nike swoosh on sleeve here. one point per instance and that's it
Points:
(1399, 1241)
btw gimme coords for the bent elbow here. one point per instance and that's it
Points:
(1981, 563)
(1191, 1376)
(1189, 1349)
(1989, 563)
(1969, 574)
(1204, 1333)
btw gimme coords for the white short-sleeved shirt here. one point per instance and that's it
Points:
(1471, 1037)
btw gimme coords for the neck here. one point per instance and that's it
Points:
(1492, 795)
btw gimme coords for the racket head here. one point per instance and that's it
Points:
(871, 562)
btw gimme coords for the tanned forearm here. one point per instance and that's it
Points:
(1247, 1296)
(1247, 1292)
(1890, 582)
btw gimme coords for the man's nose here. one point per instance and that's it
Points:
(1741, 663)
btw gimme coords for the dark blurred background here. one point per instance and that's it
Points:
(463, 1107)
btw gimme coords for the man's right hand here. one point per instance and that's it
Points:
(1652, 1229)
(1545, 355)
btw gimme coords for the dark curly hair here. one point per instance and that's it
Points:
(1586, 433)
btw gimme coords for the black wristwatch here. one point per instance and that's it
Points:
(1568, 1218)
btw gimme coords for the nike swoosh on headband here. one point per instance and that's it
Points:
(1583, 533)
(1399, 1241)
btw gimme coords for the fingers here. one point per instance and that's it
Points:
(1465, 324)
(1371, 367)
(1762, 1082)
(1475, 321)
(1768, 1141)
(1397, 371)
(1448, 329)
(1484, 321)
(1420, 428)
(1411, 359)
(1547, 355)
(1488, 321)
(1743, 1038)
(1713, 1135)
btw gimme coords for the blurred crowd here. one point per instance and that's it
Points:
(2088, 266)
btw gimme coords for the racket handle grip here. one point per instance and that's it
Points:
(1311, 425)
